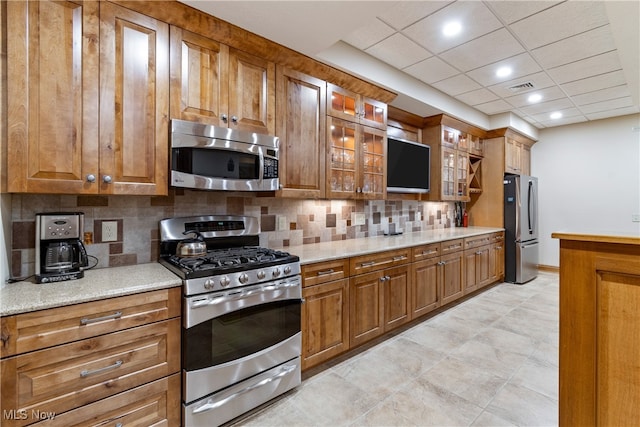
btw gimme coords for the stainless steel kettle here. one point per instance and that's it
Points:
(194, 247)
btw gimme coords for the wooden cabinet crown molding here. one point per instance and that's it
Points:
(510, 133)
(176, 13)
(443, 119)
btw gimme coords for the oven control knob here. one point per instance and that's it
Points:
(287, 270)
(209, 284)
(224, 282)
(276, 272)
(261, 274)
(244, 278)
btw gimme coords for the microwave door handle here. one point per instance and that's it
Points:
(261, 166)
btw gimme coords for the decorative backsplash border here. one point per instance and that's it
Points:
(284, 222)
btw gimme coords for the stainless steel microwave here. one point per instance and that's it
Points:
(215, 158)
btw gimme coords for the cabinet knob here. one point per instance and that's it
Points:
(91, 178)
(107, 179)
(224, 117)
(234, 119)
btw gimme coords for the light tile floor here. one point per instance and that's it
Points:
(492, 360)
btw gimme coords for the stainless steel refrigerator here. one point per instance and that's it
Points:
(521, 228)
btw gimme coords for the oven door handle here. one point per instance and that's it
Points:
(210, 404)
(240, 295)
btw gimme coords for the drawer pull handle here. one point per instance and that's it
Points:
(119, 425)
(325, 272)
(429, 253)
(399, 258)
(86, 320)
(87, 372)
(368, 264)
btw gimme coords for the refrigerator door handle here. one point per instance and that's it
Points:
(530, 206)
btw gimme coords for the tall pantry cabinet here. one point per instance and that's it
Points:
(87, 99)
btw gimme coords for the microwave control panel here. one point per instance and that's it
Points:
(270, 168)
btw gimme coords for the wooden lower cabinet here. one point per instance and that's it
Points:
(155, 404)
(496, 258)
(425, 285)
(397, 299)
(366, 307)
(325, 321)
(477, 268)
(599, 330)
(452, 276)
(66, 360)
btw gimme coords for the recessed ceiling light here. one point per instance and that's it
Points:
(536, 97)
(503, 71)
(556, 115)
(452, 28)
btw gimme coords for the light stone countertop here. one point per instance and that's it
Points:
(326, 251)
(22, 297)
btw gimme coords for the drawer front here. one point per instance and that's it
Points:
(452, 246)
(322, 272)
(46, 328)
(153, 404)
(426, 251)
(477, 241)
(373, 262)
(497, 237)
(72, 375)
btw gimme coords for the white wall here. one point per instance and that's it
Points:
(589, 180)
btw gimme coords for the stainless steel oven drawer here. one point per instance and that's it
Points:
(234, 401)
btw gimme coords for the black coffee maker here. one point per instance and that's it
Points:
(60, 254)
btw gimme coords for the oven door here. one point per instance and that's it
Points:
(230, 336)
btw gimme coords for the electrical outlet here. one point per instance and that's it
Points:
(109, 231)
(635, 218)
(358, 218)
(282, 223)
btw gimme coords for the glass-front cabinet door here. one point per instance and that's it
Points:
(448, 177)
(371, 183)
(462, 174)
(342, 158)
(342, 103)
(373, 113)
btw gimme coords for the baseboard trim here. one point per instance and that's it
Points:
(549, 268)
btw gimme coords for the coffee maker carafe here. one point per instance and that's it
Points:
(60, 254)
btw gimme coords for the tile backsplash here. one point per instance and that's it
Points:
(284, 222)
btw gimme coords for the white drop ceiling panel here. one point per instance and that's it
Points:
(566, 113)
(428, 31)
(581, 55)
(611, 104)
(539, 80)
(431, 70)
(547, 107)
(456, 85)
(401, 14)
(601, 95)
(484, 50)
(512, 11)
(478, 96)
(551, 24)
(369, 35)
(398, 51)
(590, 84)
(494, 107)
(522, 65)
(548, 94)
(575, 48)
(564, 121)
(592, 66)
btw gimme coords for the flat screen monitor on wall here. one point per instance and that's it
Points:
(408, 166)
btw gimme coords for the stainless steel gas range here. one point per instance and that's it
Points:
(241, 338)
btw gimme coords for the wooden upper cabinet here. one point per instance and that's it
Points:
(214, 84)
(52, 86)
(348, 105)
(301, 127)
(134, 102)
(356, 167)
(198, 69)
(251, 93)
